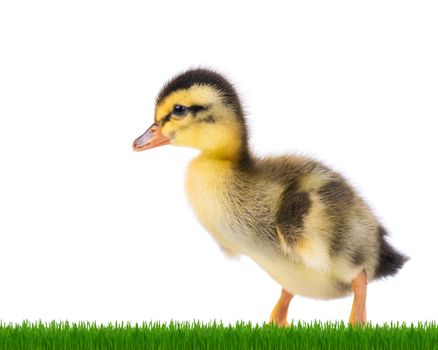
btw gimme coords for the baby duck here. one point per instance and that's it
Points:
(296, 218)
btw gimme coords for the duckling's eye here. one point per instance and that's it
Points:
(179, 110)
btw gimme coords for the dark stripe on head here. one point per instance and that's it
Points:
(203, 77)
(197, 108)
(165, 119)
(193, 109)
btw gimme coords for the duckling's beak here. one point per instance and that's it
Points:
(153, 137)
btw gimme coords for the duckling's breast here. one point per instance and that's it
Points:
(217, 202)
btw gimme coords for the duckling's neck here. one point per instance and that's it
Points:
(236, 154)
(229, 145)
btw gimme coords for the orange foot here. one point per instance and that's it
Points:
(358, 310)
(279, 313)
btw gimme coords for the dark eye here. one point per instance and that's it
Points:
(179, 110)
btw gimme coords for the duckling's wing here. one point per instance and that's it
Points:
(311, 221)
(299, 223)
(294, 207)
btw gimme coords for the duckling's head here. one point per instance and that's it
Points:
(200, 109)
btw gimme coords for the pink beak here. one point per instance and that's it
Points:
(153, 137)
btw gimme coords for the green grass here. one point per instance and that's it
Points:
(336, 336)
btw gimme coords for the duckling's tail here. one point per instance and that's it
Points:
(390, 260)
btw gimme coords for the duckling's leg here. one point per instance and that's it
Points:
(358, 310)
(279, 314)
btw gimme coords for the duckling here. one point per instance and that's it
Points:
(295, 217)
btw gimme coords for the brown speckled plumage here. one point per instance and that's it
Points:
(295, 217)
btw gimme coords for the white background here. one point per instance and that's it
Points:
(90, 230)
